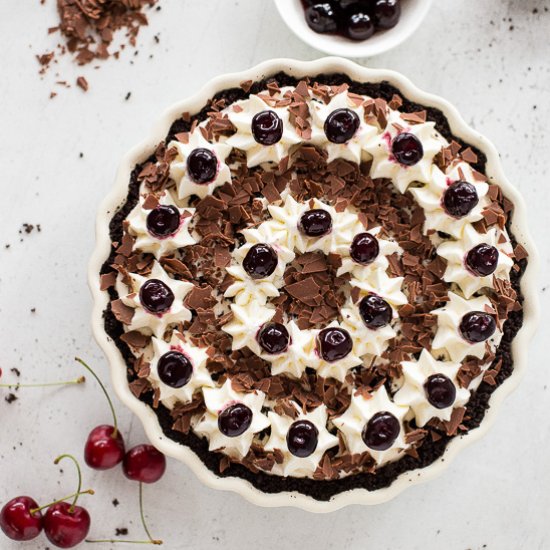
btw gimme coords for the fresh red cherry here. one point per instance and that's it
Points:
(104, 447)
(18, 521)
(66, 525)
(144, 463)
(103, 451)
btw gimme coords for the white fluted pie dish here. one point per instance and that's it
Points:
(118, 365)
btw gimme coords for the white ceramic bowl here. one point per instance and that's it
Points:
(118, 194)
(413, 13)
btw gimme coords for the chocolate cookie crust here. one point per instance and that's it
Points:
(433, 442)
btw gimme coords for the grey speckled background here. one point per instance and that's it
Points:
(490, 58)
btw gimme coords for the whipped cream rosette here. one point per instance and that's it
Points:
(262, 147)
(178, 369)
(457, 180)
(162, 228)
(199, 166)
(405, 152)
(431, 389)
(231, 419)
(157, 300)
(303, 439)
(454, 336)
(476, 259)
(373, 423)
(353, 149)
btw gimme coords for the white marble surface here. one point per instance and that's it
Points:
(492, 59)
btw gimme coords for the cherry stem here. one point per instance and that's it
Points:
(80, 380)
(115, 423)
(79, 472)
(86, 492)
(143, 522)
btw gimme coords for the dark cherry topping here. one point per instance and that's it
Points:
(482, 260)
(364, 248)
(407, 149)
(302, 438)
(334, 343)
(460, 199)
(381, 431)
(477, 326)
(202, 165)
(440, 391)
(267, 128)
(356, 19)
(273, 338)
(260, 261)
(341, 125)
(360, 26)
(163, 221)
(155, 296)
(387, 13)
(175, 369)
(234, 420)
(375, 311)
(321, 18)
(315, 223)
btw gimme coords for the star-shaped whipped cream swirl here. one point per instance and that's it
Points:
(299, 355)
(147, 241)
(352, 150)
(456, 252)
(246, 289)
(294, 465)
(241, 114)
(386, 248)
(144, 320)
(361, 410)
(449, 341)
(216, 401)
(377, 281)
(384, 164)
(180, 174)
(245, 324)
(200, 378)
(335, 369)
(430, 198)
(371, 341)
(413, 392)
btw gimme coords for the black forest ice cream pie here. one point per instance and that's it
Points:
(314, 284)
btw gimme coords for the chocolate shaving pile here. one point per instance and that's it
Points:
(88, 28)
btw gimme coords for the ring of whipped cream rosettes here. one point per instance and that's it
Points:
(249, 298)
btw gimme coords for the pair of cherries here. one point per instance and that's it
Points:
(65, 524)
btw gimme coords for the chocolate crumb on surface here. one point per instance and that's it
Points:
(311, 292)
